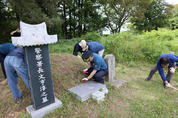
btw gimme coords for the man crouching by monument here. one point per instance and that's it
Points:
(14, 63)
(165, 60)
(97, 67)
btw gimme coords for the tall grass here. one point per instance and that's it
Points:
(128, 46)
(147, 46)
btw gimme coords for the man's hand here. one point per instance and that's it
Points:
(84, 79)
(168, 85)
(172, 70)
(85, 71)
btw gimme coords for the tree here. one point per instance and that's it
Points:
(155, 16)
(80, 17)
(173, 21)
(5, 19)
(118, 12)
(35, 11)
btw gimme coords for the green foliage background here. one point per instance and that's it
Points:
(136, 47)
(127, 46)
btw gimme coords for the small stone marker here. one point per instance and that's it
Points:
(110, 61)
(84, 91)
(111, 77)
(98, 96)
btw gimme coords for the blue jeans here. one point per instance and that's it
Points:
(14, 65)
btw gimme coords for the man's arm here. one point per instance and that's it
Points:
(14, 31)
(161, 72)
(92, 74)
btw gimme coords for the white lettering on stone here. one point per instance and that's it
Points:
(43, 94)
(43, 88)
(39, 63)
(40, 70)
(44, 99)
(41, 76)
(37, 50)
(42, 81)
(38, 57)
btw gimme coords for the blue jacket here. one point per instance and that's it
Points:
(6, 48)
(95, 47)
(77, 48)
(172, 58)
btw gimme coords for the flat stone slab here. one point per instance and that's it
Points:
(84, 91)
(40, 113)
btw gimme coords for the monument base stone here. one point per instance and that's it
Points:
(40, 113)
(117, 82)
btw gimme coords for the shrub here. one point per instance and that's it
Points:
(91, 36)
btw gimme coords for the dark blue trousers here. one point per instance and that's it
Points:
(2, 57)
(98, 75)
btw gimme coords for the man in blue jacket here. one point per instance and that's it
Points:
(82, 46)
(97, 67)
(14, 63)
(5, 49)
(165, 60)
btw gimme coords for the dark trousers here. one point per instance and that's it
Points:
(168, 76)
(2, 57)
(98, 75)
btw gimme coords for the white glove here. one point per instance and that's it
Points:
(168, 85)
(84, 79)
(85, 71)
(172, 70)
(78, 56)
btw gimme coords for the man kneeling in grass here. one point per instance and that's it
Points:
(97, 67)
(165, 60)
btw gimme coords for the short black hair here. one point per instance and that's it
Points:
(164, 60)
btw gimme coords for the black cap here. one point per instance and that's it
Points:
(87, 55)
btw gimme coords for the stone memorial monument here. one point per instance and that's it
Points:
(35, 40)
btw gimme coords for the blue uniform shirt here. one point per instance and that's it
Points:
(95, 46)
(172, 58)
(6, 48)
(98, 62)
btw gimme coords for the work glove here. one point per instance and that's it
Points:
(172, 70)
(168, 85)
(84, 79)
(85, 71)
(78, 56)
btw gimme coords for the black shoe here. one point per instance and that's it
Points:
(147, 79)
(19, 100)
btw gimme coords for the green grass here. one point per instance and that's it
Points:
(137, 98)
